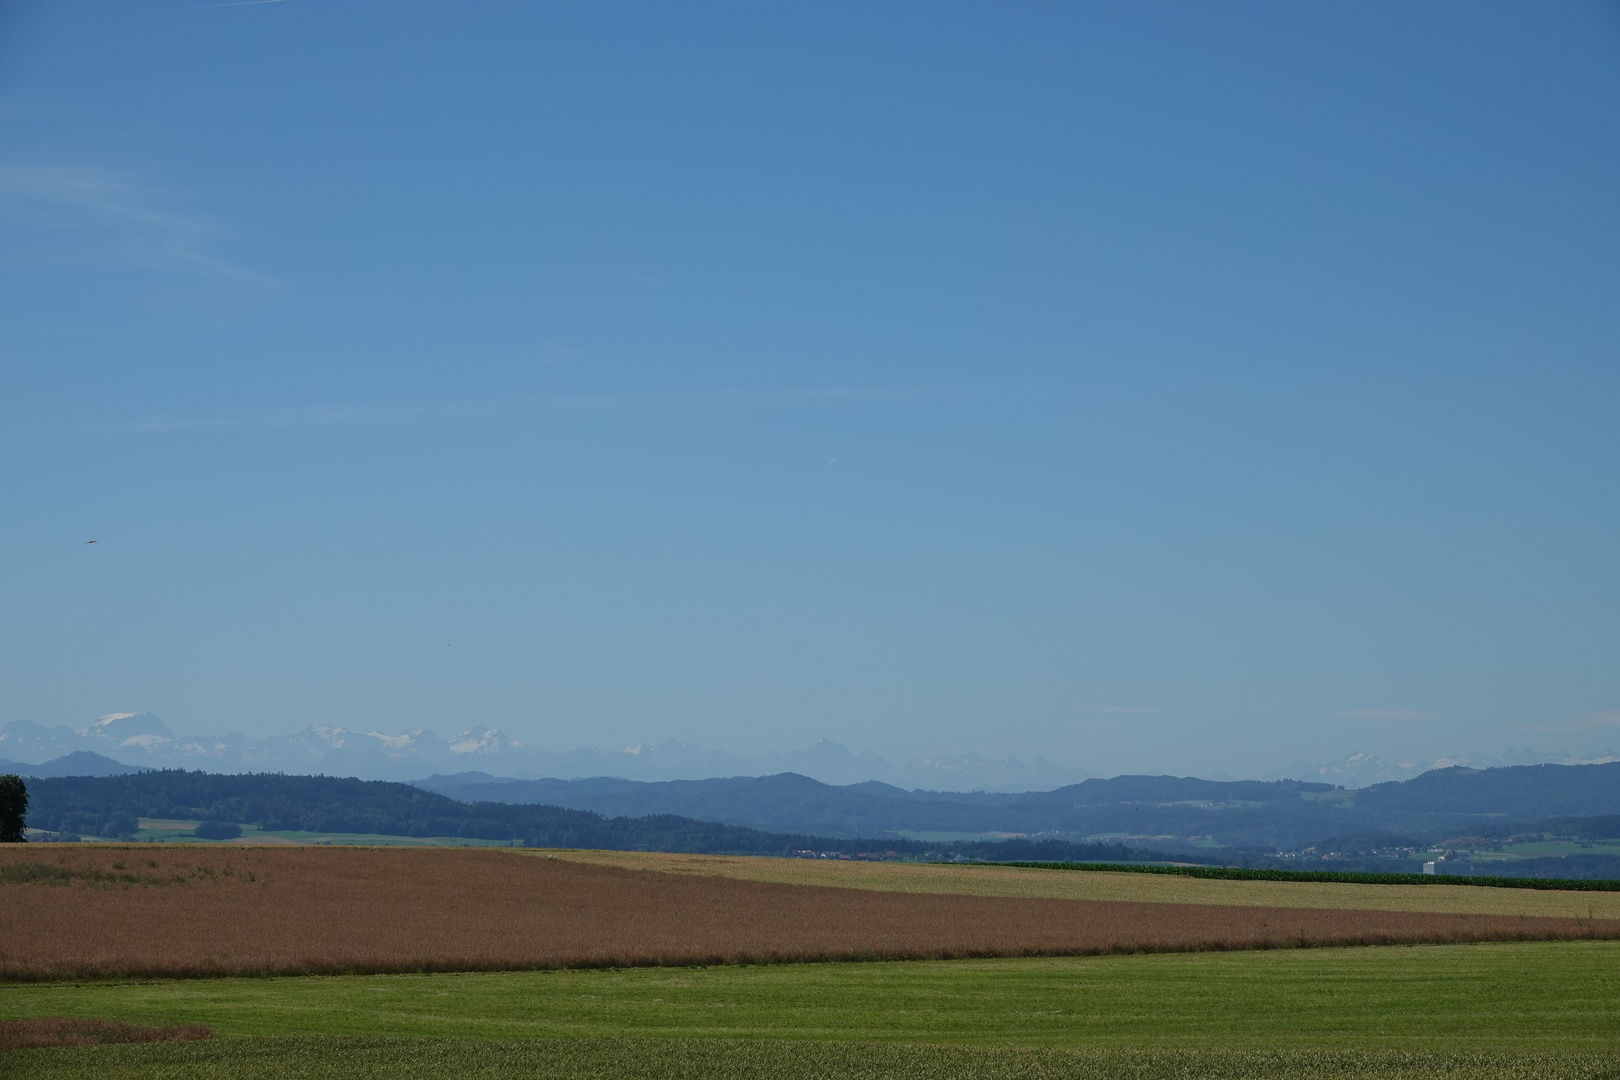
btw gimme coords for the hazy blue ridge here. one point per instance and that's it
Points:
(1175, 811)
(143, 739)
(1285, 824)
(110, 806)
(78, 763)
(1521, 791)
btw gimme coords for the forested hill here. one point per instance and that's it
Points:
(109, 806)
(102, 806)
(788, 813)
(1243, 815)
(1249, 813)
(1522, 792)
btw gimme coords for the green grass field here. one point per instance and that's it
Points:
(1538, 849)
(167, 831)
(310, 1057)
(1542, 1009)
(252, 833)
(1533, 995)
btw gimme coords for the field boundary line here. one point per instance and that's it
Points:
(1345, 877)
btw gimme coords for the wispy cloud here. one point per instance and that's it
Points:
(1103, 718)
(1607, 718)
(319, 416)
(1383, 714)
(398, 412)
(100, 217)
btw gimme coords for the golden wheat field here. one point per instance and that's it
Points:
(153, 911)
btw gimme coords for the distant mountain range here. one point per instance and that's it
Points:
(1165, 812)
(1363, 770)
(144, 740)
(78, 763)
(1454, 818)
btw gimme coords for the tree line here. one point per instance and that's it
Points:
(111, 806)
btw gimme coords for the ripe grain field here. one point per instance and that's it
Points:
(146, 911)
(972, 879)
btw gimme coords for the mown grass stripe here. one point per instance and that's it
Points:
(725, 1059)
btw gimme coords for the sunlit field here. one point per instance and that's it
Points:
(1542, 1009)
(151, 911)
(988, 880)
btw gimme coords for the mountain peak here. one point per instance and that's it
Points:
(121, 725)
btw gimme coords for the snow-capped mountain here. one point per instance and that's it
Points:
(142, 739)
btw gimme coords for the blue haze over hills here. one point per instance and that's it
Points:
(142, 739)
(1456, 820)
(483, 754)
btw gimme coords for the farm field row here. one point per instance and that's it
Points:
(1537, 849)
(984, 880)
(152, 911)
(1522, 996)
(169, 831)
(318, 1058)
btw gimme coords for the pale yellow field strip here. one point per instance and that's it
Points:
(166, 823)
(1102, 885)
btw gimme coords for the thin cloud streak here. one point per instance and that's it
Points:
(399, 412)
(1382, 714)
(1608, 718)
(97, 217)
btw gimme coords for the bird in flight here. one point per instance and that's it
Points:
(92, 541)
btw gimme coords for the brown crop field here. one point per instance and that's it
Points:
(971, 879)
(33, 1032)
(148, 910)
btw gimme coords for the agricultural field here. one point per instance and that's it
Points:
(714, 1059)
(1540, 849)
(173, 831)
(1523, 1010)
(612, 964)
(1533, 995)
(151, 911)
(1059, 884)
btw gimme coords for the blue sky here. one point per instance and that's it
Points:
(1170, 387)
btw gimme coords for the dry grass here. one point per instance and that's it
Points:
(41, 1031)
(970, 880)
(225, 911)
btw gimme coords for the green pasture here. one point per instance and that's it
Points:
(312, 1057)
(1535, 996)
(250, 833)
(1525, 1010)
(946, 837)
(1540, 849)
(180, 832)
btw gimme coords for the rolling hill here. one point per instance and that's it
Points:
(1274, 815)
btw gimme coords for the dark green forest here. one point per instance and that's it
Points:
(1249, 833)
(110, 806)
